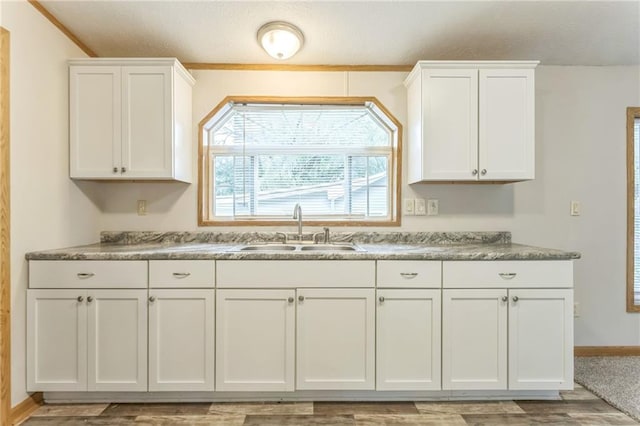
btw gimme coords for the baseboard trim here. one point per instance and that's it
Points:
(606, 351)
(24, 409)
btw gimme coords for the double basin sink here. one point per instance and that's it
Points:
(300, 247)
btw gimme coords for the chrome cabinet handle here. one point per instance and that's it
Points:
(290, 300)
(515, 298)
(152, 299)
(123, 169)
(505, 298)
(474, 172)
(301, 298)
(408, 275)
(507, 275)
(89, 299)
(181, 274)
(115, 170)
(381, 299)
(85, 275)
(80, 299)
(483, 172)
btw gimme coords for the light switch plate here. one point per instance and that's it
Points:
(142, 207)
(420, 207)
(408, 207)
(575, 208)
(432, 207)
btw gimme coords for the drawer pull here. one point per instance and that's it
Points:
(181, 274)
(301, 298)
(152, 299)
(85, 275)
(290, 300)
(89, 299)
(80, 299)
(515, 299)
(505, 298)
(507, 275)
(381, 299)
(408, 275)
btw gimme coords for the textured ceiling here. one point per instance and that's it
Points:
(361, 32)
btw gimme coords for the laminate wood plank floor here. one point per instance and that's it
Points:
(578, 407)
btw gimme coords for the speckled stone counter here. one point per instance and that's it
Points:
(373, 245)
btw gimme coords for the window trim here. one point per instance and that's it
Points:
(205, 171)
(632, 114)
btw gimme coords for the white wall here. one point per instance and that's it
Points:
(47, 209)
(580, 136)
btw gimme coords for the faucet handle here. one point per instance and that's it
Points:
(283, 235)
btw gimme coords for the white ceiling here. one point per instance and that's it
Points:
(361, 32)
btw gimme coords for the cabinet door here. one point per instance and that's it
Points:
(450, 124)
(335, 339)
(146, 122)
(117, 340)
(181, 340)
(408, 340)
(56, 340)
(540, 339)
(507, 124)
(255, 332)
(474, 339)
(95, 117)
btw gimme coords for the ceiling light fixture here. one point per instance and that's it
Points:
(280, 40)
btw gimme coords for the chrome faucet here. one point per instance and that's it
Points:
(297, 214)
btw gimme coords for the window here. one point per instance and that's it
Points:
(633, 209)
(336, 157)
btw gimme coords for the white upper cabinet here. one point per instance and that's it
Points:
(470, 121)
(130, 119)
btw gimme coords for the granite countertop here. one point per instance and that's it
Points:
(376, 246)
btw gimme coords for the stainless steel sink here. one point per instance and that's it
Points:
(328, 247)
(268, 247)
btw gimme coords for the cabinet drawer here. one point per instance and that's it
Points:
(181, 273)
(409, 273)
(507, 273)
(295, 273)
(88, 274)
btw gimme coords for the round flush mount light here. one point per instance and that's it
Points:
(281, 40)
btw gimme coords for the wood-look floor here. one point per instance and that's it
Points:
(577, 407)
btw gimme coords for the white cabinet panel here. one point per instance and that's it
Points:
(507, 124)
(507, 273)
(117, 340)
(95, 121)
(409, 273)
(181, 340)
(295, 273)
(56, 340)
(540, 339)
(147, 121)
(408, 340)
(255, 340)
(474, 339)
(335, 339)
(88, 274)
(181, 273)
(450, 117)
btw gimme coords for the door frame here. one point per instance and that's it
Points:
(5, 258)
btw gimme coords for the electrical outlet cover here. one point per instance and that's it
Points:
(432, 207)
(408, 207)
(420, 207)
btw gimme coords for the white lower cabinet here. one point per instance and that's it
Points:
(335, 339)
(56, 340)
(181, 340)
(82, 340)
(408, 340)
(540, 339)
(520, 339)
(255, 340)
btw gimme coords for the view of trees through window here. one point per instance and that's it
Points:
(334, 160)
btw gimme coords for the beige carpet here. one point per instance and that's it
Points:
(614, 379)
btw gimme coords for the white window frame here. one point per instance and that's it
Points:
(206, 155)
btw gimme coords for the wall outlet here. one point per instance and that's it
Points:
(432, 207)
(408, 207)
(576, 310)
(575, 208)
(420, 207)
(142, 207)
